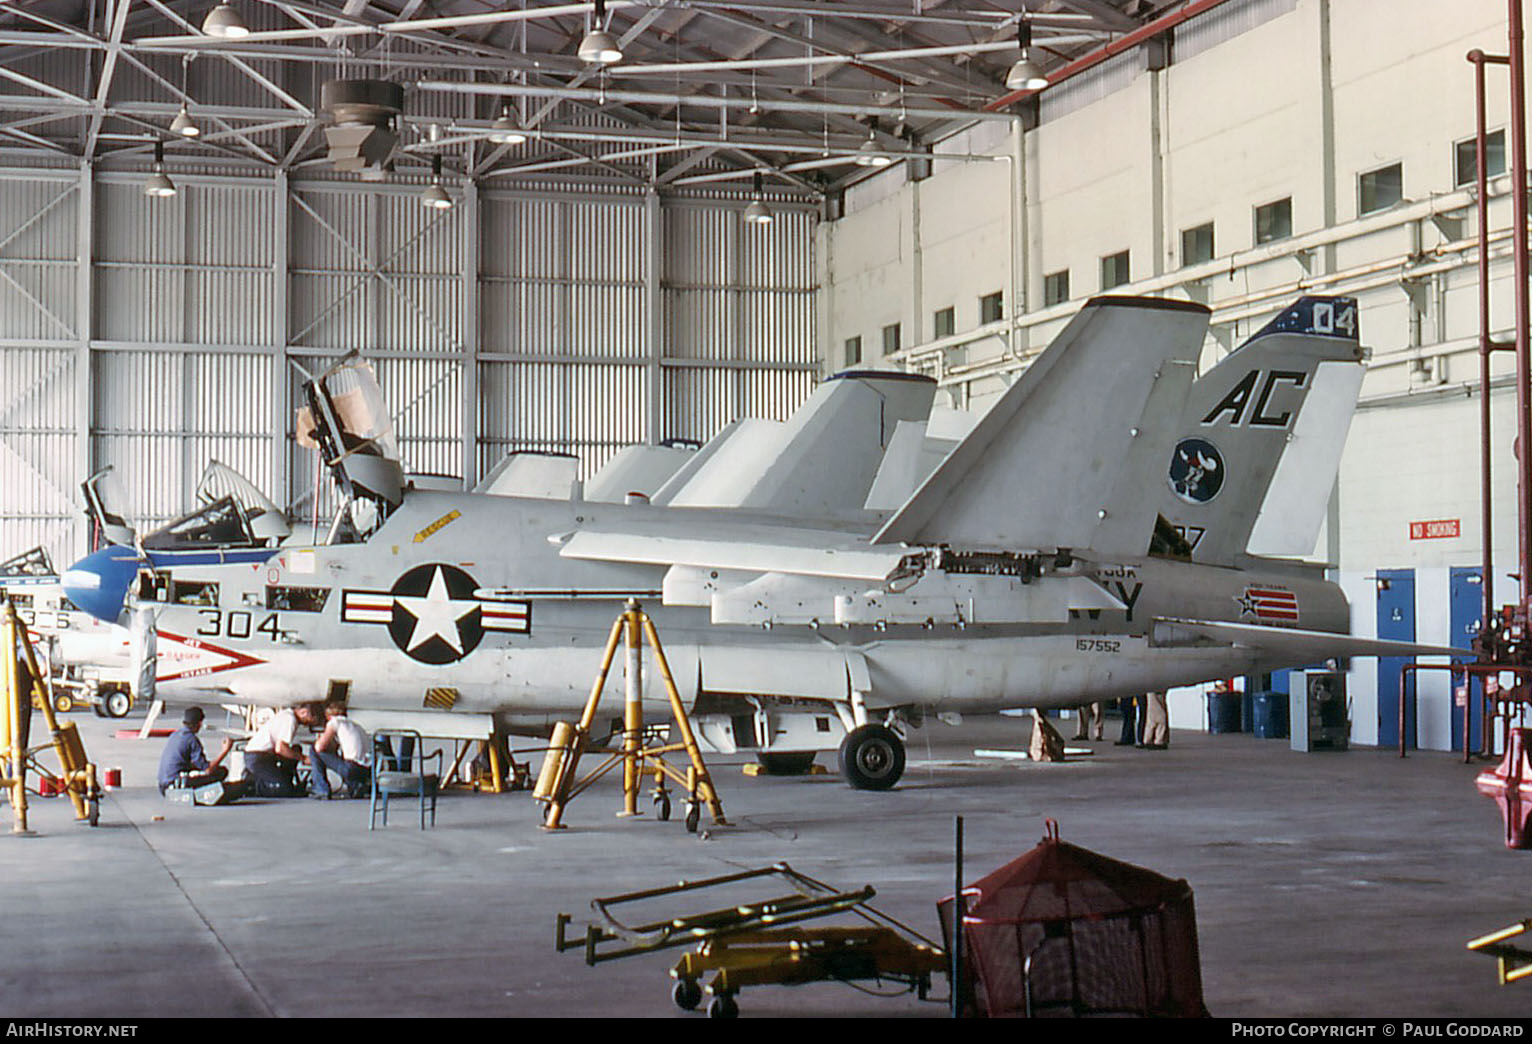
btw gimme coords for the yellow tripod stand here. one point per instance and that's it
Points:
(557, 783)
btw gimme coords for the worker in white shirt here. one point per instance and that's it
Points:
(272, 754)
(344, 748)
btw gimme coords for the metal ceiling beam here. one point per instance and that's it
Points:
(108, 70)
(1109, 16)
(701, 100)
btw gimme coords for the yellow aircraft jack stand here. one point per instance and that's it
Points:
(761, 943)
(22, 682)
(642, 751)
(1515, 963)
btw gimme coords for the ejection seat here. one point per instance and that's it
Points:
(399, 769)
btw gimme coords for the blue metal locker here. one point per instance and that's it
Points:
(1396, 620)
(1467, 606)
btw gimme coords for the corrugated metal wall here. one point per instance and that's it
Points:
(179, 338)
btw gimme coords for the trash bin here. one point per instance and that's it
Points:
(1269, 715)
(1223, 712)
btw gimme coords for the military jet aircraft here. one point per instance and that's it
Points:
(821, 584)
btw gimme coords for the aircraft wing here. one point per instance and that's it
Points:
(1288, 643)
(744, 547)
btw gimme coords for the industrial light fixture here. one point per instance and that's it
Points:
(435, 196)
(1025, 74)
(869, 155)
(504, 131)
(599, 46)
(224, 21)
(184, 125)
(758, 213)
(158, 184)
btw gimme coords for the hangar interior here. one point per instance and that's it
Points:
(569, 256)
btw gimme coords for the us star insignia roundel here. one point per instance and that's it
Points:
(432, 614)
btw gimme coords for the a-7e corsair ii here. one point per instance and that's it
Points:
(1085, 540)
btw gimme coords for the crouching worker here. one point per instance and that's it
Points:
(184, 764)
(272, 754)
(344, 748)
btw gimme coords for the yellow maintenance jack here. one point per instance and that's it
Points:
(755, 943)
(23, 682)
(643, 751)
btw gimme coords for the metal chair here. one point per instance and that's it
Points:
(399, 769)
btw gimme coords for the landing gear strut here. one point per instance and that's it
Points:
(872, 757)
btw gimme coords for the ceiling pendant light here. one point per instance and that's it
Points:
(224, 21)
(158, 184)
(758, 213)
(504, 131)
(184, 125)
(435, 196)
(599, 46)
(869, 155)
(1025, 74)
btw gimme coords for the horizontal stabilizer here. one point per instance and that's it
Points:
(1290, 645)
(1060, 459)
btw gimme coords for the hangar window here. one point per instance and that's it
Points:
(891, 339)
(1055, 288)
(1274, 220)
(1114, 270)
(992, 307)
(1380, 189)
(1197, 244)
(1465, 166)
(944, 323)
(853, 351)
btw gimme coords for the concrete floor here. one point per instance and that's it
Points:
(1326, 884)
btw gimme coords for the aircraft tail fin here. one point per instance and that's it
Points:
(1059, 460)
(1264, 427)
(819, 463)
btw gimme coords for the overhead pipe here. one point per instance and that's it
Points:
(1519, 258)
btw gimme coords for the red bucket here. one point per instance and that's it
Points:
(113, 778)
(49, 787)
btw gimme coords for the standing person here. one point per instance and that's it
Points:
(1126, 706)
(1091, 719)
(343, 747)
(1156, 722)
(272, 754)
(183, 753)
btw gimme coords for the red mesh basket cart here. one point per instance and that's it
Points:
(1066, 932)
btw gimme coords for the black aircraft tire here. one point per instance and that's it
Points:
(872, 757)
(117, 703)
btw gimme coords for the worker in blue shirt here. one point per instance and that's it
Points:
(183, 753)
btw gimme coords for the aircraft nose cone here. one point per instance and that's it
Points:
(99, 582)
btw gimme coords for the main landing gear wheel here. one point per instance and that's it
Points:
(117, 703)
(687, 993)
(872, 757)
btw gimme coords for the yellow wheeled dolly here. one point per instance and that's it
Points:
(22, 681)
(1514, 962)
(757, 943)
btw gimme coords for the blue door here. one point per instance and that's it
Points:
(1396, 621)
(1467, 606)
